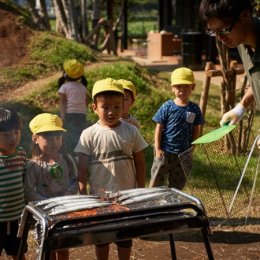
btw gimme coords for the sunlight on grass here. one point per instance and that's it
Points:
(215, 172)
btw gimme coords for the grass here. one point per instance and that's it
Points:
(154, 86)
(51, 50)
(139, 29)
(47, 52)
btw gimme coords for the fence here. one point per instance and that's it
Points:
(215, 175)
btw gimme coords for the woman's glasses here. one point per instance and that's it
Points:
(223, 32)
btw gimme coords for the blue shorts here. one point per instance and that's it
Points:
(8, 237)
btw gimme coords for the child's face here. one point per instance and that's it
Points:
(109, 109)
(128, 101)
(183, 92)
(49, 142)
(9, 140)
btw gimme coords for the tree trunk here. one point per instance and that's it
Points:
(95, 19)
(41, 20)
(228, 100)
(66, 19)
(67, 10)
(61, 19)
(73, 18)
(84, 20)
(44, 14)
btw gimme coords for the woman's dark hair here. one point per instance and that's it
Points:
(222, 9)
(9, 120)
(65, 78)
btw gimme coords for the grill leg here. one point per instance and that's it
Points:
(24, 238)
(173, 249)
(205, 236)
(47, 255)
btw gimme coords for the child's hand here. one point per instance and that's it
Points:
(159, 153)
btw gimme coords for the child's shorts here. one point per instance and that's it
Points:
(168, 165)
(8, 237)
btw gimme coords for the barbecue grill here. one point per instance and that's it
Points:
(113, 217)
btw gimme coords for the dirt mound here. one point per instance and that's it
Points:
(14, 36)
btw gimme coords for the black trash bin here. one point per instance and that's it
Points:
(192, 49)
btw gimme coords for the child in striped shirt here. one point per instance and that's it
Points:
(12, 169)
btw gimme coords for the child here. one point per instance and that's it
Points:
(49, 173)
(177, 125)
(12, 169)
(111, 153)
(129, 99)
(74, 98)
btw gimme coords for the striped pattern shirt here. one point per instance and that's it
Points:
(12, 169)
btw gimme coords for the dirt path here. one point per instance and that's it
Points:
(27, 88)
(18, 93)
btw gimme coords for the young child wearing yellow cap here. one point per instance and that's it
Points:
(50, 172)
(74, 99)
(129, 99)
(111, 152)
(178, 123)
(12, 170)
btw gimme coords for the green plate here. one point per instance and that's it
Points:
(214, 135)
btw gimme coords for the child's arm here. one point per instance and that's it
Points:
(73, 175)
(88, 97)
(157, 140)
(30, 183)
(82, 173)
(140, 168)
(62, 103)
(196, 132)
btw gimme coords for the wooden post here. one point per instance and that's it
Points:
(205, 90)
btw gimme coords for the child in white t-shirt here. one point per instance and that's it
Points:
(129, 99)
(111, 152)
(74, 99)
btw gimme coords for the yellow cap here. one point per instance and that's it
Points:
(107, 84)
(127, 84)
(182, 76)
(73, 68)
(46, 122)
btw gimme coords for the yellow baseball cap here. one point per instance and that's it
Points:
(73, 68)
(46, 122)
(127, 84)
(182, 76)
(107, 84)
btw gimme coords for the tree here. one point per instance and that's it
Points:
(228, 99)
(66, 22)
(39, 14)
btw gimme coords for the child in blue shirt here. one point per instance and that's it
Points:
(178, 123)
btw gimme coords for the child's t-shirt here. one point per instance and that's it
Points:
(178, 125)
(44, 180)
(76, 96)
(131, 120)
(12, 169)
(110, 152)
